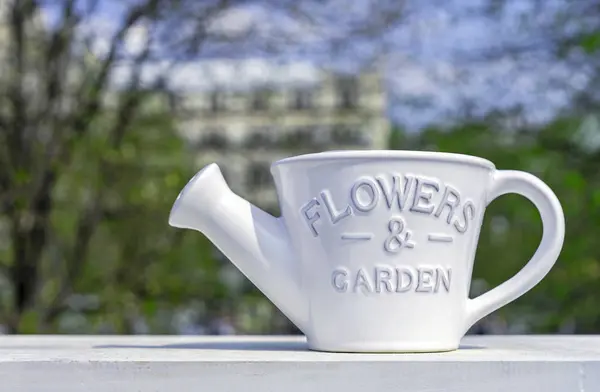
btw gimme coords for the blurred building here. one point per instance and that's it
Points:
(245, 129)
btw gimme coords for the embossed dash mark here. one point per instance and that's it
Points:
(440, 238)
(357, 236)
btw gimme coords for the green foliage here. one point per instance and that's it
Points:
(397, 138)
(137, 268)
(512, 227)
(591, 42)
(135, 265)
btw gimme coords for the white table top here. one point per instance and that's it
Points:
(26, 348)
(229, 363)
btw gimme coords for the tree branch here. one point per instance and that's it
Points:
(29, 231)
(90, 93)
(30, 221)
(17, 131)
(93, 215)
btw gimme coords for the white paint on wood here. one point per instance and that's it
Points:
(281, 363)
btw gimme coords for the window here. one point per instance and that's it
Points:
(273, 209)
(259, 175)
(217, 101)
(260, 100)
(260, 138)
(347, 88)
(302, 99)
(299, 137)
(214, 139)
(347, 135)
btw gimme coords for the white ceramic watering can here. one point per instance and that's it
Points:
(374, 249)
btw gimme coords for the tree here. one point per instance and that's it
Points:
(88, 165)
(563, 156)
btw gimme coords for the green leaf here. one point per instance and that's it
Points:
(591, 42)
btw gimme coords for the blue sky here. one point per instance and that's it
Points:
(431, 58)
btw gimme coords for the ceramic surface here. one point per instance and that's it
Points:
(374, 249)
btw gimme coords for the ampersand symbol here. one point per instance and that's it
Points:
(398, 236)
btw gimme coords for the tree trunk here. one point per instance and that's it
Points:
(28, 234)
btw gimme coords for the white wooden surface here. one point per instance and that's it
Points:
(272, 363)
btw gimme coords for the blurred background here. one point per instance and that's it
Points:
(108, 107)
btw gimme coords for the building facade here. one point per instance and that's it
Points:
(245, 131)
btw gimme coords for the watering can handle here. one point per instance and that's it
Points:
(544, 258)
